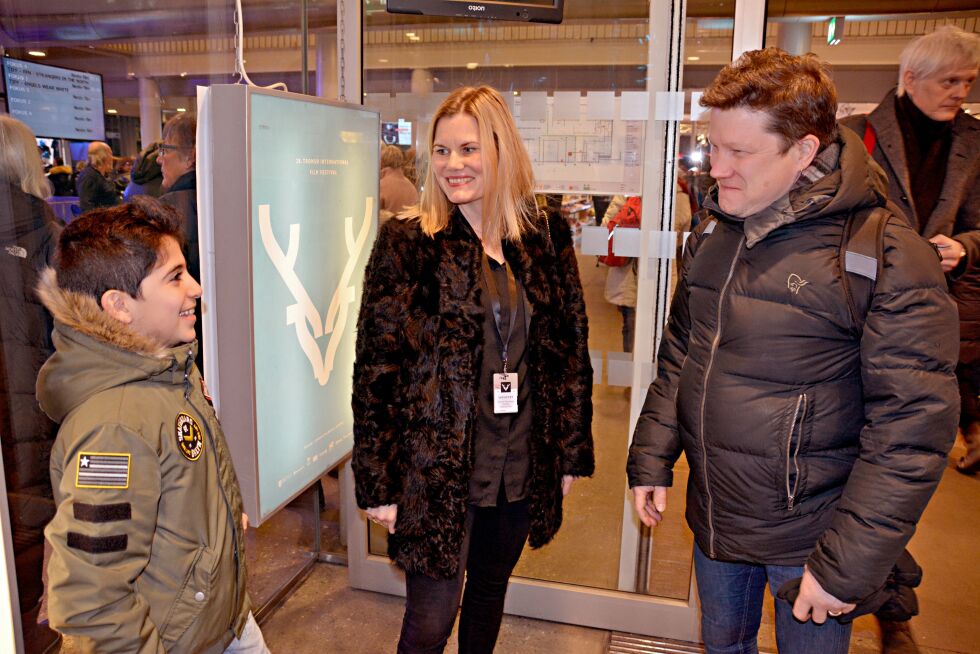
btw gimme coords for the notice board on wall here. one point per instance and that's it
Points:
(291, 184)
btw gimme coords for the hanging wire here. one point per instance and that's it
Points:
(240, 48)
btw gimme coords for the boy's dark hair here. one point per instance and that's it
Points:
(114, 248)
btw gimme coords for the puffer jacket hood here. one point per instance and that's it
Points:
(95, 352)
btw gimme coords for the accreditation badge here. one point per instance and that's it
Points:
(505, 392)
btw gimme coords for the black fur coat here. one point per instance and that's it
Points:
(419, 344)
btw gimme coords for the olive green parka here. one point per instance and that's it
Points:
(148, 545)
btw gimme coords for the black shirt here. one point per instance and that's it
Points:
(927, 143)
(500, 440)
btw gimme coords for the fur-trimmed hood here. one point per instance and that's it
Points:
(94, 352)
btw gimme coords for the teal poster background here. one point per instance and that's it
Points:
(314, 171)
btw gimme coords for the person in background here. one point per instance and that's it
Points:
(409, 168)
(95, 189)
(177, 158)
(28, 234)
(927, 145)
(147, 178)
(60, 177)
(148, 542)
(816, 432)
(397, 193)
(472, 378)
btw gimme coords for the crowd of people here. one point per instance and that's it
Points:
(828, 291)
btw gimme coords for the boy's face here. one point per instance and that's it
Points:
(164, 311)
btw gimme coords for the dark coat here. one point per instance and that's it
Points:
(28, 236)
(94, 190)
(419, 343)
(808, 439)
(956, 215)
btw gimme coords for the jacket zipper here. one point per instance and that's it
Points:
(704, 395)
(188, 391)
(799, 414)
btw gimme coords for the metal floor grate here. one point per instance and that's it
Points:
(621, 643)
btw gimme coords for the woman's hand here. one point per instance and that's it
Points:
(384, 516)
(566, 484)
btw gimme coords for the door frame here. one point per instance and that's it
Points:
(622, 609)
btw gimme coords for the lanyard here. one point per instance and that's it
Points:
(490, 282)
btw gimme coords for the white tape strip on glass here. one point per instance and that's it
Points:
(627, 242)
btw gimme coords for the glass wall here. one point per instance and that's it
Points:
(150, 57)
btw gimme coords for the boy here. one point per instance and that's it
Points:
(148, 538)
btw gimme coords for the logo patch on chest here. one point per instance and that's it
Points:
(794, 283)
(190, 438)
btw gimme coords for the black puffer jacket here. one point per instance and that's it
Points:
(807, 441)
(28, 235)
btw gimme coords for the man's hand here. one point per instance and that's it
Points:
(244, 522)
(814, 603)
(384, 516)
(951, 251)
(650, 503)
(566, 484)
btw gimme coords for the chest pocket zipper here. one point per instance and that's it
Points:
(793, 451)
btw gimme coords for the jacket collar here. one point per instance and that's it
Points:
(841, 178)
(83, 314)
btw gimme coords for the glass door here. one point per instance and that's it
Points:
(601, 104)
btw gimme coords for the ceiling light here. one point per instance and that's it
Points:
(694, 58)
(472, 65)
(184, 74)
(382, 61)
(37, 53)
(111, 111)
(181, 110)
(410, 34)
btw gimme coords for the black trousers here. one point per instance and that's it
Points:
(494, 539)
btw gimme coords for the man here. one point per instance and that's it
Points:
(177, 158)
(928, 147)
(148, 539)
(815, 434)
(95, 189)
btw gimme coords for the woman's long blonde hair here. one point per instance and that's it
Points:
(20, 160)
(508, 186)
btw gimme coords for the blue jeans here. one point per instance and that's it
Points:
(731, 610)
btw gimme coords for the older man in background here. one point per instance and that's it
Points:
(95, 189)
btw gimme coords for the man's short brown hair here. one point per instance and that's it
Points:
(114, 248)
(796, 92)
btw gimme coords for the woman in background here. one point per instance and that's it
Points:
(472, 383)
(28, 234)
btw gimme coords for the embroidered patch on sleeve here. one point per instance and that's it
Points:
(97, 544)
(102, 470)
(190, 438)
(102, 512)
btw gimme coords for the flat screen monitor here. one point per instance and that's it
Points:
(534, 11)
(55, 102)
(399, 133)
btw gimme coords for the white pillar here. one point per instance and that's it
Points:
(151, 114)
(326, 64)
(421, 80)
(795, 37)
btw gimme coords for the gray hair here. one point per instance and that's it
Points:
(99, 153)
(947, 48)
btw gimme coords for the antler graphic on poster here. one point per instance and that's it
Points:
(303, 315)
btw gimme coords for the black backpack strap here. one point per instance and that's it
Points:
(862, 251)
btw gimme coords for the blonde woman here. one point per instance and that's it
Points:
(472, 384)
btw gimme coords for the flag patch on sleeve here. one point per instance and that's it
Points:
(102, 470)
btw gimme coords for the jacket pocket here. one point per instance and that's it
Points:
(194, 595)
(794, 440)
